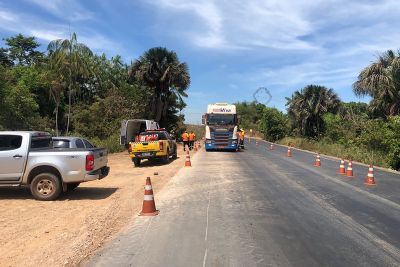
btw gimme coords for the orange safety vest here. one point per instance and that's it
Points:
(185, 137)
(192, 137)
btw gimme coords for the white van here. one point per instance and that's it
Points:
(132, 128)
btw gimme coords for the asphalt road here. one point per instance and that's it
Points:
(261, 208)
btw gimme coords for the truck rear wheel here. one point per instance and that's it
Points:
(45, 186)
(136, 162)
(166, 158)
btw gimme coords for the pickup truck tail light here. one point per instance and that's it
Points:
(161, 145)
(130, 148)
(89, 162)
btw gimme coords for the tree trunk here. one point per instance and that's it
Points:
(57, 105)
(69, 109)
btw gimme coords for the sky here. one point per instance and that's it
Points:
(232, 47)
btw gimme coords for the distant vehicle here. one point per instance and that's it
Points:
(130, 129)
(221, 124)
(71, 142)
(153, 144)
(28, 158)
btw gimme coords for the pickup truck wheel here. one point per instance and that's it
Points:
(175, 155)
(46, 186)
(72, 186)
(166, 158)
(136, 162)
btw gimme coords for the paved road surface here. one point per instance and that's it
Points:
(260, 208)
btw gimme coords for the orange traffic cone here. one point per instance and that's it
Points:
(342, 170)
(149, 206)
(369, 180)
(317, 161)
(187, 161)
(289, 152)
(349, 171)
(271, 147)
(195, 146)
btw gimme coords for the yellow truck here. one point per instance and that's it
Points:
(151, 145)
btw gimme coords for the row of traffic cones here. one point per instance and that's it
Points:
(369, 180)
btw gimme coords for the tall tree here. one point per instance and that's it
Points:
(381, 81)
(69, 57)
(22, 50)
(160, 69)
(307, 106)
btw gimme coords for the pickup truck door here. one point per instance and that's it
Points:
(13, 153)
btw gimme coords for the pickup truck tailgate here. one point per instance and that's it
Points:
(100, 158)
(145, 146)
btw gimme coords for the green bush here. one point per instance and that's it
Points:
(111, 143)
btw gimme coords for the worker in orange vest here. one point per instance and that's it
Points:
(185, 140)
(241, 138)
(192, 138)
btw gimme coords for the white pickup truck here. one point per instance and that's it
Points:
(28, 158)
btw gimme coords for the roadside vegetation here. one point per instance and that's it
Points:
(69, 90)
(317, 120)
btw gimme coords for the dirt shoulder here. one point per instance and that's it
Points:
(66, 231)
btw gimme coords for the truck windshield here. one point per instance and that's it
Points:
(221, 119)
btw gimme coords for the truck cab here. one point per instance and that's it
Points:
(221, 124)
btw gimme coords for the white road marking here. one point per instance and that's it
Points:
(208, 208)
(205, 258)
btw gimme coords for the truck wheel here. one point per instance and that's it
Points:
(46, 186)
(136, 162)
(175, 155)
(72, 186)
(166, 158)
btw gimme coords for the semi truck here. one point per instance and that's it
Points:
(221, 122)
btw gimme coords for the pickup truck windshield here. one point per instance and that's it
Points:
(221, 119)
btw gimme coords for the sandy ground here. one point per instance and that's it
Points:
(67, 231)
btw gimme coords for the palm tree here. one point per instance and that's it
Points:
(307, 106)
(56, 94)
(381, 81)
(160, 70)
(69, 58)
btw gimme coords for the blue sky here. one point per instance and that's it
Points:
(232, 47)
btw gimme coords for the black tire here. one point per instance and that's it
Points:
(45, 187)
(72, 186)
(166, 158)
(136, 162)
(175, 154)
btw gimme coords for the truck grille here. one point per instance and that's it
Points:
(221, 138)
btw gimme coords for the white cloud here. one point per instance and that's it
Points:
(70, 10)
(34, 26)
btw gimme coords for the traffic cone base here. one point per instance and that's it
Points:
(187, 161)
(317, 162)
(289, 152)
(342, 170)
(349, 171)
(149, 206)
(369, 180)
